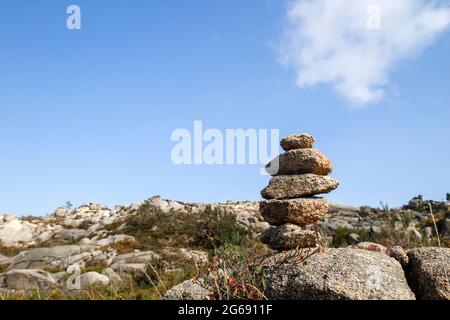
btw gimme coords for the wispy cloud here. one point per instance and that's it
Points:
(353, 44)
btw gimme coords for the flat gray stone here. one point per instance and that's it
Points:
(297, 186)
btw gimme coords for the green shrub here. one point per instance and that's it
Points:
(147, 217)
(340, 238)
(215, 228)
(211, 228)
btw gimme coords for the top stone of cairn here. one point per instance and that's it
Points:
(297, 141)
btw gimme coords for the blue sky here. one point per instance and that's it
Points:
(87, 115)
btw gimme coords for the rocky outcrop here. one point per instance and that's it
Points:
(91, 235)
(129, 268)
(188, 290)
(28, 280)
(137, 257)
(428, 273)
(60, 257)
(14, 231)
(336, 274)
(87, 224)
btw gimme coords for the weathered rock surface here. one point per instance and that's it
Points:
(111, 240)
(288, 237)
(27, 280)
(336, 274)
(137, 257)
(188, 290)
(55, 257)
(297, 211)
(93, 279)
(371, 246)
(194, 256)
(61, 212)
(113, 277)
(15, 231)
(400, 255)
(297, 186)
(297, 141)
(428, 273)
(131, 268)
(300, 161)
(70, 235)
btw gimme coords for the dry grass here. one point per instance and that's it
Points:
(125, 247)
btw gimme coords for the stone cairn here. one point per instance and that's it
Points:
(290, 205)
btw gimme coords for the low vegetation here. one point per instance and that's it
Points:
(154, 229)
(397, 232)
(129, 289)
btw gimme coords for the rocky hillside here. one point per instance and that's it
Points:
(158, 244)
(88, 224)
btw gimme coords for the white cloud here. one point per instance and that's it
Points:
(329, 41)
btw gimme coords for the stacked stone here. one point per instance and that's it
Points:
(290, 204)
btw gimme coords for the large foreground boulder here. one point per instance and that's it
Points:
(428, 273)
(336, 274)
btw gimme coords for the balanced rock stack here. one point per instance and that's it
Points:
(298, 175)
